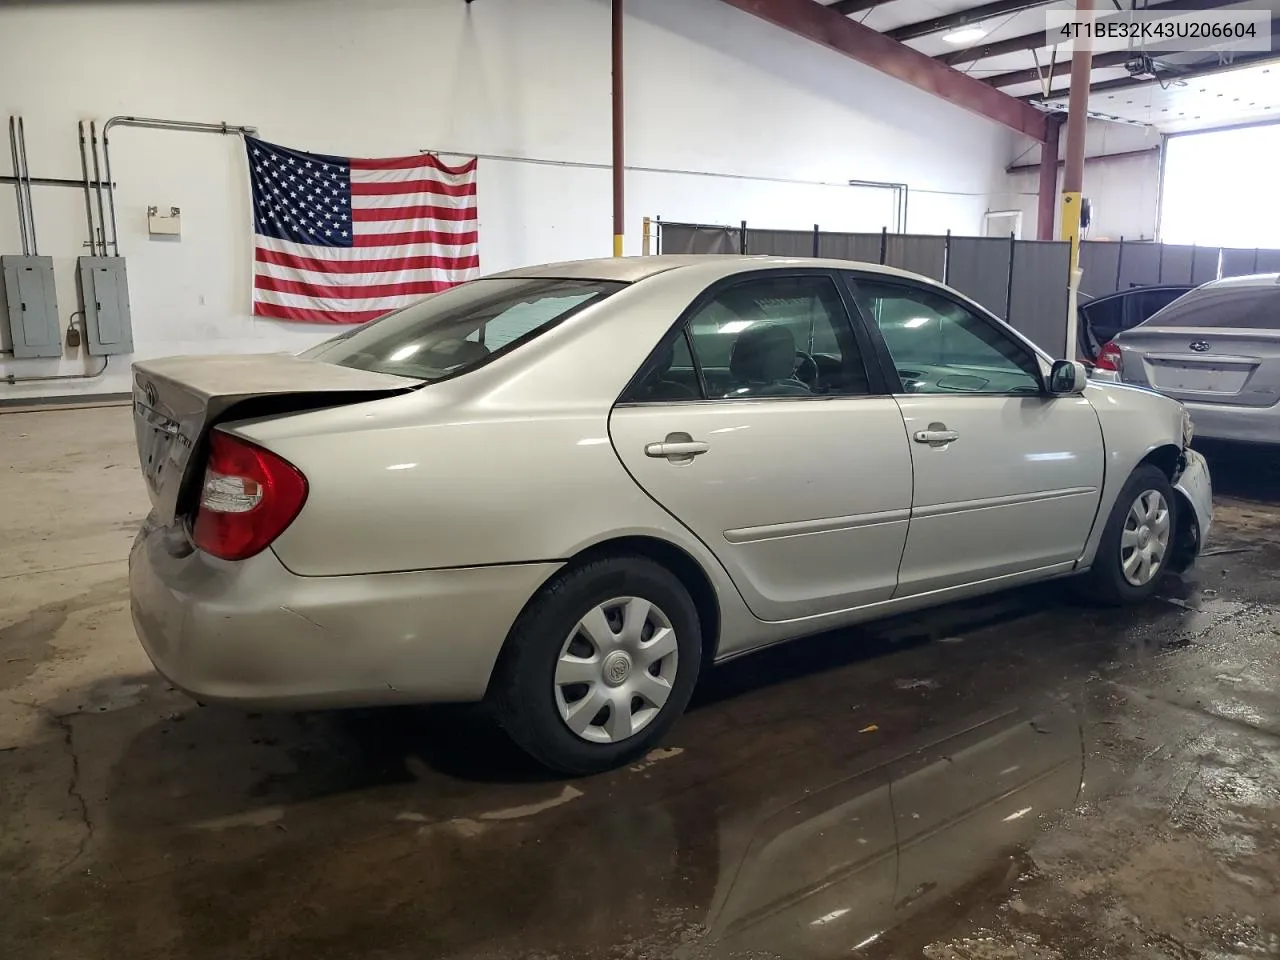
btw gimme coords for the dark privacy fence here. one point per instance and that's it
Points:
(1023, 281)
(1112, 266)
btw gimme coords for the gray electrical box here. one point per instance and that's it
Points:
(104, 292)
(30, 306)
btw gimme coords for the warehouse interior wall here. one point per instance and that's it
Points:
(781, 124)
(1123, 191)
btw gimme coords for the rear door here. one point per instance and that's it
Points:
(1007, 478)
(800, 484)
(1220, 346)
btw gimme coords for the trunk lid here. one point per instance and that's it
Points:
(1205, 364)
(176, 400)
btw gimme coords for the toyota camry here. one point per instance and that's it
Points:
(566, 490)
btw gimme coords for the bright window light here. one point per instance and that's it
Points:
(916, 322)
(964, 35)
(1221, 189)
(735, 326)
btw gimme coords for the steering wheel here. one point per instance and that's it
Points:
(806, 370)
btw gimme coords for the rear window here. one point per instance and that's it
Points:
(462, 328)
(1253, 308)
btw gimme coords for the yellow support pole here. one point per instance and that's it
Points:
(1070, 225)
(646, 236)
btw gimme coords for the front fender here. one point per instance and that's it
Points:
(1137, 424)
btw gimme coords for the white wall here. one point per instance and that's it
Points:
(709, 89)
(1123, 191)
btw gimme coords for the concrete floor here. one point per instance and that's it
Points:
(1018, 777)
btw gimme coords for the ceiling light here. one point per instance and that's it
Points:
(965, 35)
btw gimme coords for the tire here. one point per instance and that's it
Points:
(1108, 582)
(591, 623)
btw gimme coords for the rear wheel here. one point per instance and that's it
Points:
(1137, 542)
(600, 665)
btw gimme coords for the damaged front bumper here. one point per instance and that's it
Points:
(1195, 494)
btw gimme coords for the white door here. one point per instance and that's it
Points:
(776, 448)
(1007, 478)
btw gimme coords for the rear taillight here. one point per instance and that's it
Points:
(250, 496)
(1110, 358)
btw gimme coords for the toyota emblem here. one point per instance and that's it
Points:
(1199, 346)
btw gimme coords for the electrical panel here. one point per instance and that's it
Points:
(30, 306)
(104, 292)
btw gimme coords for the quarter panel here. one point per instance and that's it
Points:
(462, 491)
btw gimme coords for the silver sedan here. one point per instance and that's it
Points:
(568, 489)
(1217, 350)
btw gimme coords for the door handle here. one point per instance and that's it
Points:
(677, 447)
(935, 436)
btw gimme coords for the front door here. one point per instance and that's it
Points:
(1007, 479)
(758, 427)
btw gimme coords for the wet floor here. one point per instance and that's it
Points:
(1018, 777)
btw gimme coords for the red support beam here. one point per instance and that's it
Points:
(826, 26)
(1047, 195)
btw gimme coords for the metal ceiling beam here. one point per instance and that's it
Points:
(829, 27)
(1114, 58)
(1037, 40)
(963, 18)
(846, 7)
(1170, 76)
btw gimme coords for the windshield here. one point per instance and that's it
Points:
(462, 328)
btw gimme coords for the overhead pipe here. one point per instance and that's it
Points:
(26, 177)
(151, 123)
(17, 184)
(88, 202)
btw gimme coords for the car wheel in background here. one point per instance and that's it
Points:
(599, 665)
(1137, 543)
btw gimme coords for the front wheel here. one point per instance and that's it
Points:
(600, 665)
(1137, 542)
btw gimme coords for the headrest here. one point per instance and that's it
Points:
(763, 353)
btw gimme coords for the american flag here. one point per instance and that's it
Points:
(344, 240)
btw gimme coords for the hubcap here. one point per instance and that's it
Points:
(615, 670)
(1145, 538)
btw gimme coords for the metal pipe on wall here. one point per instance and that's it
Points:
(26, 177)
(102, 215)
(88, 201)
(111, 195)
(151, 123)
(17, 184)
(619, 197)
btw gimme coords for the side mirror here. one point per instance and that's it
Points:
(1068, 377)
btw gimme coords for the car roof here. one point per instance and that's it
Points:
(1233, 283)
(632, 269)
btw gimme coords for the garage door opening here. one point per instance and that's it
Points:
(1221, 189)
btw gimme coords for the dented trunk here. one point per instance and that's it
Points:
(177, 400)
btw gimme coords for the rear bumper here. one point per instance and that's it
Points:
(252, 633)
(1220, 421)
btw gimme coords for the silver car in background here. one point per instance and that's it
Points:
(1217, 350)
(566, 489)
